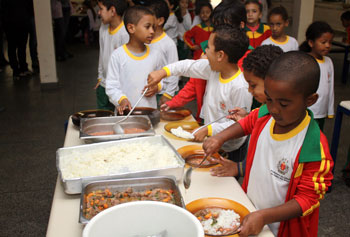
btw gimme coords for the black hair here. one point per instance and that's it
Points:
(119, 5)
(259, 60)
(304, 75)
(205, 5)
(313, 32)
(279, 11)
(229, 12)
(233, 41)
(175, 4)
(345, 16)
(198, 5)
(160, 9)
(134, 14)
(254, 2)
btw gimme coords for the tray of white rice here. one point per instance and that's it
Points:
(130, 158)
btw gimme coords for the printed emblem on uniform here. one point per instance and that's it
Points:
(222, 106)
(282, 166)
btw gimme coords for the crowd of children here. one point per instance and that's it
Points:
(277, 143)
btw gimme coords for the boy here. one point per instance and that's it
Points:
(345, 20)
(131, 63)
(226, 87)
(166, 46)
(171, 25)
(288, 162)
(278, 20)
(112, 35)
(256, 31)
(255, 67)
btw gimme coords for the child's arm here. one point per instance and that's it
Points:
(188, 36)
(331, 93)
(100, 66)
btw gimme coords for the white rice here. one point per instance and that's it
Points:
(226, 219)
(117, 159)
(179, 132)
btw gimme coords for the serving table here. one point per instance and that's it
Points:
(64, 214)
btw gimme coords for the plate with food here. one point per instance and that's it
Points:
(181, 130)
(175, 114)
(93, 113)
(194, 154)
(218, 216)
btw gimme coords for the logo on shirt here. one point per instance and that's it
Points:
(282, 166)
(222, 106)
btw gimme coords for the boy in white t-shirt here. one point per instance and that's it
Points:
(171, 25)
(278, 21)
(131, 63)
(288, 166)
(226, 87)
(112, 35)
(166, 46)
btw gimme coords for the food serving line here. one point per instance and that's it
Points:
(64, 214)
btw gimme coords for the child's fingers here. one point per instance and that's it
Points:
(164, 107)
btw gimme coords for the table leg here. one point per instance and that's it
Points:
(345, 65)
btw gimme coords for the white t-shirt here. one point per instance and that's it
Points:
(128, 73)
(185, 25)
(166, 46)
(220, 95)
(324, 105)
(109, 41)
(290, 44)
(196, 20)
(273, 165)
(171, 27)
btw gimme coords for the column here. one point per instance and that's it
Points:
(303, 14)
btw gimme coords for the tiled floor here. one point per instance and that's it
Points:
(33, 129)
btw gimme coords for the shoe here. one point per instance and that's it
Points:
(16, 76)
(3, 62)
(25, 73)
(61, 58)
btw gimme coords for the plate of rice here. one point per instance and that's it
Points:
(218, 216)
(181, 130)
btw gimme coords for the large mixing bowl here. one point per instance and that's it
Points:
(144, 218)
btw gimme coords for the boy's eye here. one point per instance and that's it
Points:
(283, 104)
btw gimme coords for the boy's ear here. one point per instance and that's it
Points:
(242, 24)
(160, 21)
(310, 43)
(220, 55)
(113, 10)
(311, 99)
(286, 23)
(131, 28)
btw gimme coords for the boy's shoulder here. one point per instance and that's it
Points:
(164, 40)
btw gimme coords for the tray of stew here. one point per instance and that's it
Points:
(100, 195)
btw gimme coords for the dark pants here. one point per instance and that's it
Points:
(33, 44)
(59, 37)
(2, 58)
(17, 37)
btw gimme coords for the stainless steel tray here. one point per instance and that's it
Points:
(74, 186)
(137, 184)
(105, 124)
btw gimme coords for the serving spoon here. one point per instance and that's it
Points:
(187, 176)
(116, 127)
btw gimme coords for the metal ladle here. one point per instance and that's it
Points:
(116, 127)
(187, 176)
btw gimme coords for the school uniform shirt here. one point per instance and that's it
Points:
(166, 46)
(257, 36)
(324, 106)
(196, 20)
(109, 41)
(290, 44)
(171, 27)
(220, 95)
(304, 178)
(128, 73)
(197, 35)
(185, 25)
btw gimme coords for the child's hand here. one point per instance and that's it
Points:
(212, 145)
(200, 134)
(239, 113)
(163, 100)
(155, 77)
(152, 90)
(252, 224)
(124, 104)
(164, 107)
(196, 47)
(227, 168)
(98, 83)
(204, 56)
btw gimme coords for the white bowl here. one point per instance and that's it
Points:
(144, 218)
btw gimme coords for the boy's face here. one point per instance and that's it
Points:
(211, 53)
(345, 23)
(253, 13)
(145, 28)
(285, 104)
(322, 45)
(256, 86)
(183, 4)
(204, 14)
(106, 15)
(277, 25)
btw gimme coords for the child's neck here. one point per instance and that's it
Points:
(254, 24)
(135, 45)
(281, 38)
(316, 55)
(277, 129)
(207, 23)
(116, 21)
(227, 70)
(158, 33)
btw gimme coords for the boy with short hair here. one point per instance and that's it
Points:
(226, 87)
(345, 20)
(289, 166)
(131, 63)
(278, 21)
(112, 35)
(163, 43)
